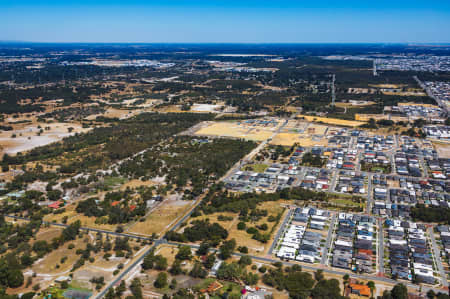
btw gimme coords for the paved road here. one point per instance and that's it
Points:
(369, 193)
(324, 260)
(424, 165)
(334, 176)
(126, 271)
(380, 246)
(280, 230)
(437, 257)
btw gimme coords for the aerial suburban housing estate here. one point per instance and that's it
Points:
(160, 180)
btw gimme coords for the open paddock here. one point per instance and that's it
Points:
(162, 217)
(26, 136)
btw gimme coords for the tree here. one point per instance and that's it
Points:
(346, 278)
(160, 262)
(210, 260)
(15, 278)
(54, 195)
(121, 288)
(173, 284)
(245, 260)
(399, 291)
(161, 280)
(250, 278)
(136, 288)
(203, 249)
(64, 284)
(243, 249)
(198, 271)
(41, 247)
(28, 295)
(318, 275)
(176, 268)
(227, 249)
(110, 294)
(298, 284)
(183, 294)
(184, 253)
(70, 232)
(241, 225)
(371, 286)
(229, 271)
(325, 289)
(431, 294)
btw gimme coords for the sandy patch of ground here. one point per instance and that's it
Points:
(27, 139)
(118, 113)
(206, 108)
(288, 139)
(332, 121)
(387, 85)
(443, 149)
(236, 130)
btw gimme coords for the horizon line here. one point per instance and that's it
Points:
(231, 43)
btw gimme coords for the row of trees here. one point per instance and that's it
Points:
(430, 214)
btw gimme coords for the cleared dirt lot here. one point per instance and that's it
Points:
(332, 121)
(236, 130)
(27, 138)
(443, 149)
(288, 139)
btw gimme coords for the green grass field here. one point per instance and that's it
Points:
(256, 167)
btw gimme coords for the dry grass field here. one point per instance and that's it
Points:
(48, 264)
(405, 93)
(162, 217)
(118, 113)
(350, 105)
(74, 216)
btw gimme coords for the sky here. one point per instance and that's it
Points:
(227, 21)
